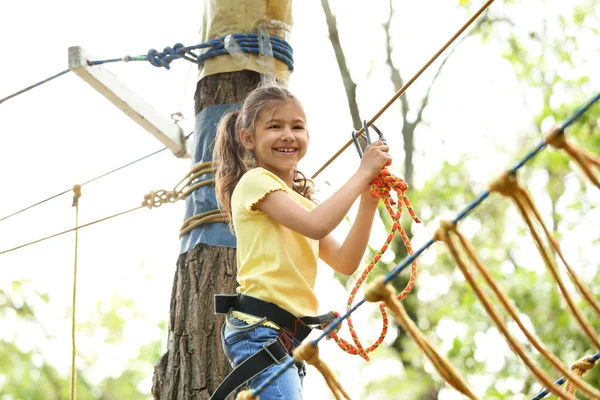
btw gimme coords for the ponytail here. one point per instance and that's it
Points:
(303, 186)
(230, 156)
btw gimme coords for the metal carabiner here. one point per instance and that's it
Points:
(359, 143)
(366, 138)
(376, 130)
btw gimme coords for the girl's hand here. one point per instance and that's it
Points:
(375, 157)
(369, 198)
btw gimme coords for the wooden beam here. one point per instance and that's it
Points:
(108, 85)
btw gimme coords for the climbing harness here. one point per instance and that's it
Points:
(292, 329)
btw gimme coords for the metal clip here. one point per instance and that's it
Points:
(376, 130)
(366, 138)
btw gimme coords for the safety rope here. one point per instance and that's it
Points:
(76, 196)
(381, 187)
(583, 160)
(154, 200)
(457, 243)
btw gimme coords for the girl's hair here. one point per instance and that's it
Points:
(230, 155)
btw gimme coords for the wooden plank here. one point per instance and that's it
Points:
(108, 85)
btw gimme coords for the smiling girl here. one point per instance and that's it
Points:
(281, 233)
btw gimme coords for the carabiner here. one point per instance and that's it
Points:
(376, 130)
(366, 137)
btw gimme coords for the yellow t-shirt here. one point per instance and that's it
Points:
(274, 263)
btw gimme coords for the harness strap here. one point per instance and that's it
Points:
(275, 350)
(298, 327)
(272, 353)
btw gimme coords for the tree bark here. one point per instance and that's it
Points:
(194, 363)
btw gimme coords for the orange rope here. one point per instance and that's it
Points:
(508, 185)
(380, 291)
(585, 160)
(457, 243)
(381, 187)
(580, 367)
(309, 353)
(514, 313)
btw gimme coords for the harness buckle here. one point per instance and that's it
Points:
(274, 344)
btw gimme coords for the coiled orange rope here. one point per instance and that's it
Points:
(382, 187)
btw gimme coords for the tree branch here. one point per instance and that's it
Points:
(470, 33)
(395, 76)
(408, 127)
(349, 84)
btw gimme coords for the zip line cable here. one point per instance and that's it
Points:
(90, 181)
(70, 230)
(28, 88)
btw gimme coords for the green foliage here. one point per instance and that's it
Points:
(26, 372)
(551, 64)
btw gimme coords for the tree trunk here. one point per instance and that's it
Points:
(194, 363)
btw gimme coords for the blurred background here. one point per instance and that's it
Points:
(519, 69)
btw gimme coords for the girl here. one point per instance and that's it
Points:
(280, 234)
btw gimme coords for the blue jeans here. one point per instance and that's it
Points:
(240, 345)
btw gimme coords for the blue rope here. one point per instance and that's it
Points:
(34, 85)
(407, 261)
(248, 42)
(562, 380)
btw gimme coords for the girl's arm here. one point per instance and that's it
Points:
(318, 223)
(346, 258)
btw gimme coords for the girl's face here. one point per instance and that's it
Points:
(280, 139)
